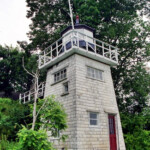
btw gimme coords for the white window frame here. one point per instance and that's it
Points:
(94, 73)
(60, 75)
(97, 119)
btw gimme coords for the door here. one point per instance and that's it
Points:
(112, 132)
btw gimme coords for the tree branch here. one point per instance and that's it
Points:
(41, 108)
(26, 69)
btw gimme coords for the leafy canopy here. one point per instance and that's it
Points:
(12, 115)
(13, 78)
(137, 130)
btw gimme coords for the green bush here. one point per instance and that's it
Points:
(52, 116)
(6, 145)
(136, 128)
(33, 140)
(12, 115)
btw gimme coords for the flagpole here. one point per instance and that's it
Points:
(71, 15)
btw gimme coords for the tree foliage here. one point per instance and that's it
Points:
(12, 75)
(12, 115)
(31, 139)
(51, 116)
(137, 130)
(13, 78)
(133, 95)
(7, 145)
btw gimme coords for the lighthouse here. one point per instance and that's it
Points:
(79, 75)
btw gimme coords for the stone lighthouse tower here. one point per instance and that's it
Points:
(79, 75)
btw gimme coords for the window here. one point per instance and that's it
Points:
(93, 119)
(60, 75)
(94, 73)
(66, 87)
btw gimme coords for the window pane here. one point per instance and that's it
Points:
(65, 74)
(93, 122)
(89, 72)
(66, 87)
(62, 74)
(111, 126)
(94, 73)
(58, 76)
(93, 116)
(55, 78)
(100, 75)
(97, 74)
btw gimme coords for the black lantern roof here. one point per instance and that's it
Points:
(78, 26)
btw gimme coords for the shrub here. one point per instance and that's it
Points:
(52, 116)
(136, 129)
(12, 115)
(7, 145)
(33, 140)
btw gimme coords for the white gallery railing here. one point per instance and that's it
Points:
(29, 95)
(83, 42)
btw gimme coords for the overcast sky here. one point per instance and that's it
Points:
(13, 22)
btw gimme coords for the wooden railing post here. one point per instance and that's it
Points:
(116, 55)
(20, 98)
(72, 40)
(78, 40)
(29, 96)
(103, 48)
(109, 52)
(56, 48)
(24, 98)
(44, 58)
(86, 42)
(95, 45)
(51, 53)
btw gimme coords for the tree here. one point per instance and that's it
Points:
(52, 116)
(13, 78)
(12, 115)
(136, 130)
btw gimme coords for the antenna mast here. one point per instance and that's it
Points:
(71, 15)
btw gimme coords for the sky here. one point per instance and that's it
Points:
(13, 22)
